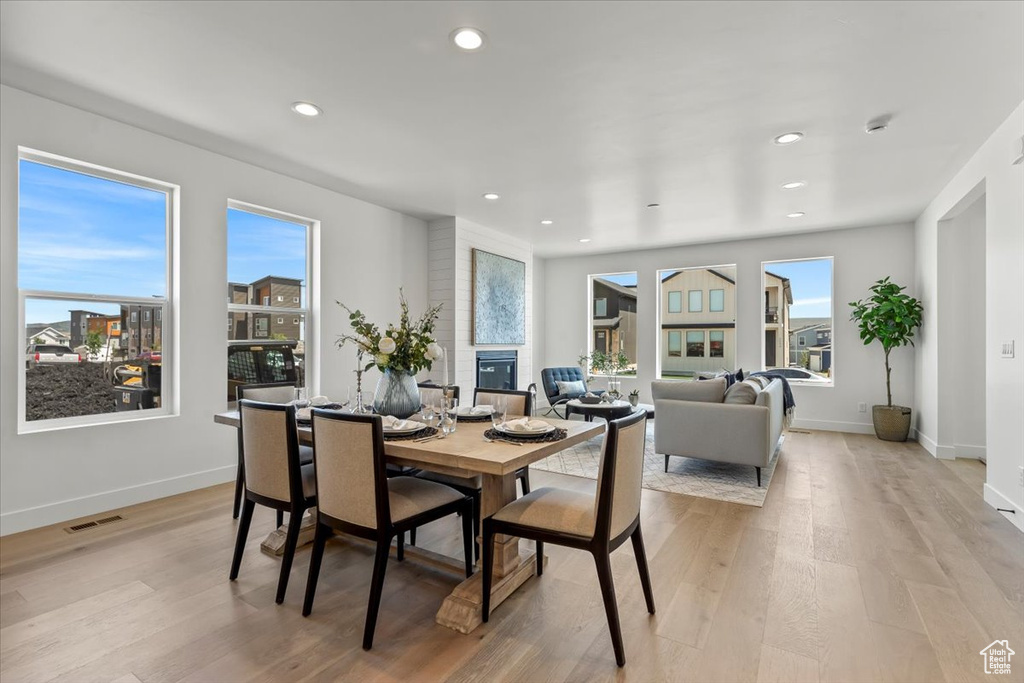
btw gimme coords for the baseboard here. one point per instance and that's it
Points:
(834, 426)
(925, 442)
(972, 452)
(52, 513)
(998, 500)
(945, 452)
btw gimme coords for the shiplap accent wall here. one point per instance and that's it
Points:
(450, 269)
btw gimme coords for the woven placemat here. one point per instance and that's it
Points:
(421, 434)
(555, 435)
(474, 418)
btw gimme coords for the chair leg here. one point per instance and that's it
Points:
(641, 564)
(488, 565)
(400, 554)
(280, 518)
(758, 476)
(290, 541)
(524, 479)
(468, 538)
(666, 464)
(236, 504)
(476, 523)
(323, 532)
(604, 575)
(540, 558)
(243, 533)
(380, 567)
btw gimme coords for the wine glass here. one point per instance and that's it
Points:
(499, 404)
(429, 414)
(450, 416)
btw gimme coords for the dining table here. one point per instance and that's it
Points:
(467, 452)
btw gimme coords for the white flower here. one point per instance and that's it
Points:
(434, 351)
(386, 346)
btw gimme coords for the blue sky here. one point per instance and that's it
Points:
(811, 282)
(624, 279)
(259, 246)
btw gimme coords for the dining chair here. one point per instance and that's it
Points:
(519, 406)
(431, 393)
(356, 496)
(598, 524)
(273, 392)
(274, 477)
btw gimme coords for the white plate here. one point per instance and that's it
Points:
(548, 428)
(413, 427)
(482, 411)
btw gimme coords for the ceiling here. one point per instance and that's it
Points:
(577, 112)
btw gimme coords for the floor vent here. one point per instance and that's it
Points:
(93, 524)
(797, 431)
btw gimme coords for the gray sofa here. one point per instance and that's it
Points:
(701, 420)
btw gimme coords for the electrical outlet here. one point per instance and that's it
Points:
(862, 407)
(1007, 349)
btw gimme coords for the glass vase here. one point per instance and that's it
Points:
(397, 394)
(615, 388)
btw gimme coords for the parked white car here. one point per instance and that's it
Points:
(41, 354)
(798, 374)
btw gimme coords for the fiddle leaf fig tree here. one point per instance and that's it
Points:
(890, 317)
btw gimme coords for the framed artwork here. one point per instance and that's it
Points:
(499, 299)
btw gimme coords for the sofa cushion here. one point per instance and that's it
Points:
(574, 388)
(744, 393)
(761, 380)
(710, 391)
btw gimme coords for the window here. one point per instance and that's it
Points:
(145, 316)
(716, 300)
(613, 323)
(695, 344)
(716, 344)
(696, 301)
(675, 343)
(675, 302)
(92, 243)
(798, 296)
(268, 251)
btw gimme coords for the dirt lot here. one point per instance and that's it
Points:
(66, 390)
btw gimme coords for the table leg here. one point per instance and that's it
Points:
(513, 566)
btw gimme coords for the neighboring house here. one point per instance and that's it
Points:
(80, 325)
(806, 333)
(238, 323)
(141, 329)
(614, 318)
(698, 320)
(45, 334)
(778, 297)
(106, 325)
(276, 292)
(819, 359)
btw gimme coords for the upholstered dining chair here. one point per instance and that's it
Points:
(274, 477)
(275, 392)
(430, 393)
(517, 404)
(356, 496)
(598, 524)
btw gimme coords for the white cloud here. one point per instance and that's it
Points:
(813, 301)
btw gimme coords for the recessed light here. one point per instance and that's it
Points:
(795, 214)
(546, 222)
(653, 206)
(795, 185)
(468, 39)
(306, 109)
(584, 240)
(788, 138)
(492, 196)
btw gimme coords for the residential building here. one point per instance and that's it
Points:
(141, 329)
(238, 323)
(806, 333)
(778, 297)
(80, 325)
(614, 316)
(276, 292)
(45, 334)
(698, 320)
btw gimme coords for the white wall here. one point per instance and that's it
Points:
(862, 256)
(990, 170)
(961, 322)
(367, 252)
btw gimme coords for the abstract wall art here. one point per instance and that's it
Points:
(499, 299)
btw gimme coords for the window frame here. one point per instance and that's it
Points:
(602, 300)
(679, 301)
(711, 341)
(168, 303)
(702, 342)
(711, 301)
(592, 316)
(689, 300)
(678, 352)
(309, 314)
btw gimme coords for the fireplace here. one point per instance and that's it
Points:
(496, 369)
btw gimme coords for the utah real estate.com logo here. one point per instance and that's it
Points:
(997, 657)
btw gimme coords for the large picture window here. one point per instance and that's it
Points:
(94, 276)
(268, 296)
(695, 338)
(613, 323)
(797, 339)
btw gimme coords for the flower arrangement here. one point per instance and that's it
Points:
(408, 347)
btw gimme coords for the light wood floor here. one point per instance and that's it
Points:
(869, 561)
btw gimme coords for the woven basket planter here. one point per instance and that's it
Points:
(891, 423)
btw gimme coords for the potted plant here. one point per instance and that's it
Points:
(634, 397)
(611, 364)
(890, 317)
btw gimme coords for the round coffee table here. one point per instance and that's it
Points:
(607, 411)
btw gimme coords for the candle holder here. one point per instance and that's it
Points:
(360, 407)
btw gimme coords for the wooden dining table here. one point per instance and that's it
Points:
(466, 453)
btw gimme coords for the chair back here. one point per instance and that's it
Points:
(348, 456)
(550, 376)
(430, 393)
(620, 479)
(270, 450)
(518, 403)
(276, 392)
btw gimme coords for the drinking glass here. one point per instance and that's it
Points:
(450, 416)
(500, 406)
(429, 414)
(301, 397)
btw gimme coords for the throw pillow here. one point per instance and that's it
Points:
(744, 393)
(739, 375)
(577, 388)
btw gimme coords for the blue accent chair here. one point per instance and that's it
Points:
(549, 377)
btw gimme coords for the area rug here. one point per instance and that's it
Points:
(689, 476)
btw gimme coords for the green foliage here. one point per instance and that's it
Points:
(412, 339)
(889, 317)
(635, 392)
(600, 363)
(93, 342)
